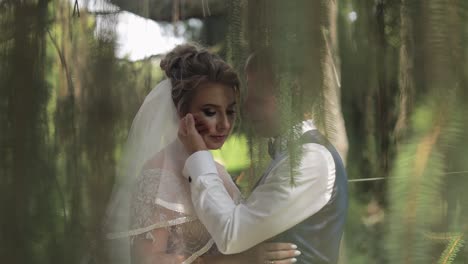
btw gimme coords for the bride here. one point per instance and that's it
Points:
(151, 218)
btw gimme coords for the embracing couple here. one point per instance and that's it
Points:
(175, 204)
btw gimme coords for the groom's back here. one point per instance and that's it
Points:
(318, 237)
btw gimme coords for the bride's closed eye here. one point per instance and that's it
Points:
(209, 112)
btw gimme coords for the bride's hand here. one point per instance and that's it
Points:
(271, 253)
(189, 135)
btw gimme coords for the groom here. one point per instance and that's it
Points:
(310, 214)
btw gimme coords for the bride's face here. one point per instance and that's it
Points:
(214, 109)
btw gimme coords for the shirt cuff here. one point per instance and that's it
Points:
(199, 163)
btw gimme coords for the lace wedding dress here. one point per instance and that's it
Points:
(151, 194)
(160, 199)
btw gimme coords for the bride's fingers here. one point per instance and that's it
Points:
(182, 127)
(195, 126)
(283, 261)
(196, 116)
(189, 135)
(199, 122)
(190, 123)
(282, 254)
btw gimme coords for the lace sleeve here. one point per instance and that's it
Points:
(160, 201)
(143, 206)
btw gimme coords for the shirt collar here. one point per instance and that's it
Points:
(308, 125)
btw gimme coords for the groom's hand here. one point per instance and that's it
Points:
(265, 253)
(189, 135)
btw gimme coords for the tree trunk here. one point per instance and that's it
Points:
(406, 73)
(334, 120)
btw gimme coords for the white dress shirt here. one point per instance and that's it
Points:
(274, 205)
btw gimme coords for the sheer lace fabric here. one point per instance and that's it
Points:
(161, 199)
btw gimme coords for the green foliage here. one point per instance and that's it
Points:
(233, 155)
(416, 181)
(66, 103)
(453, 243)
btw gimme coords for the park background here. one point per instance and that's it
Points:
(390, 89)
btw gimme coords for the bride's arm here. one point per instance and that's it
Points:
(146, 251)
(279, 253)
(152, 246)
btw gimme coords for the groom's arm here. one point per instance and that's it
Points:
(272, 208)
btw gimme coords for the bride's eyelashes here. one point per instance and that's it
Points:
(210, 113)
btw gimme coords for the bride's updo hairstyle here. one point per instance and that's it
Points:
(188, 66)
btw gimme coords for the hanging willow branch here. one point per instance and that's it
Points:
(63, 62)
(454, 243)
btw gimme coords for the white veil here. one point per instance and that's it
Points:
(156, 194)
